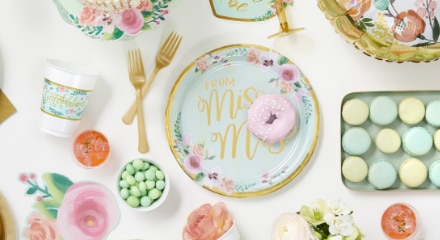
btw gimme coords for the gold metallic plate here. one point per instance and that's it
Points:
(7, 227)
(394, 31)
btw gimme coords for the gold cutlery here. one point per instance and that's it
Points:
(163, 58)
(281, 14)
(137, 78)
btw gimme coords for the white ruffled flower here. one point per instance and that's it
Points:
(339, 225)
(291, 226)
(338, 207)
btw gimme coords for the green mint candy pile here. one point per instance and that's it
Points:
(141, 183)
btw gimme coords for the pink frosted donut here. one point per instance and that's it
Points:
(271, 117)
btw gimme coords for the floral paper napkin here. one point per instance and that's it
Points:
(6, 107)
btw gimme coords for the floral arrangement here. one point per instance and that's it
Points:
(67, 210)
(208, 222)
(322, 220)
(111, 26)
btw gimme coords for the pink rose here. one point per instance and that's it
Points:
(289, 73)
(193, 163)
(227, 185)
(202, 64)
(198, 150)
(253, 56)
(88, 16)
(89, 211)
(145, 5)
(207, 222)
(131, 21)
(41, 228)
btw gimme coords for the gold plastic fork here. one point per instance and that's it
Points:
(163, 58)
(137, 78)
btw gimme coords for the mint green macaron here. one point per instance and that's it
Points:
(434, 173)
(356, 141)
(383, 110)
(382, 174)
(417, 141)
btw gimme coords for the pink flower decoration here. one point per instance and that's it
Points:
(193, 163)
(207, 222)
(131, 21)
(23, 177)
(89, 211)
(88, 16)
(145, 5)
(289, 73)
(41, 227)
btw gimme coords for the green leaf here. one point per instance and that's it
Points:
(436, 30)
(199, 177)
(31, 190)
(283, 60)
(48, 207)
(57, 185)
(116, 34)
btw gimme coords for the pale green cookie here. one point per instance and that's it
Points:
(417, 141)
(382, 174)
(383, 110)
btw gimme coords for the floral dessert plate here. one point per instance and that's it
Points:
(245, 10)
(397, 31)
(149, 15)
(7, 227)
(67, 210)
(206, 121)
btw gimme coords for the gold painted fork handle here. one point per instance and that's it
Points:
(131, 112)
(142, 134)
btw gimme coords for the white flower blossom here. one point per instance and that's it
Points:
(339, 225)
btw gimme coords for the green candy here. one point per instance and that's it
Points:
(154, 193)
(130, 180)
(150, 174)
(142, 186)
(130, 169)
(135, 191)
(139, 176)
(146, 201)
(138, 164)
(124, 193)
(160, 185)
(150, 184)
(124, 174)
(160, 175)
(133, 201)
(124, 184)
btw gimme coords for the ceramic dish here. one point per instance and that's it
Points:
(245, 10)
(101, 25)
(397, 31)
(206, 116)
(398, 155)
(7, 227)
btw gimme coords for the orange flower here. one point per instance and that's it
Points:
(207, 222)
(408, 25)
(356, 8)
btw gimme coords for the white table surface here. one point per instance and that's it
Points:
(32, 31)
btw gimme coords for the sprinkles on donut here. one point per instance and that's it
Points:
(271, 117)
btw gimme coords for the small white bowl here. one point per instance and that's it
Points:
(140, 194)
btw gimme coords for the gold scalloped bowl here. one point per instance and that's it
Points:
(395, 31)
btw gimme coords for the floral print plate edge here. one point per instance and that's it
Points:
(206, 121)
(126, 25)
(246, 10)
(392, 30)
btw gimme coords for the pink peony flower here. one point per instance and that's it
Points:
(88, 16)
(193, 163)
(202, 64)
(207, 222)
(41, 228)
(253, 56)
(89, 211)
(131, 21)
(289, 73)
(145, 5)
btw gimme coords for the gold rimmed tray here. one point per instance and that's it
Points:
(7, 227)
(394, 31)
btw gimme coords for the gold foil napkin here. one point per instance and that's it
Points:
(6, 107)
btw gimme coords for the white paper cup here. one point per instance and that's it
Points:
(66, 89)
(231, 234)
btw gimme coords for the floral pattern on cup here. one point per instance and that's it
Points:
(413, 23)
(67, 210)
(321, 219)
(148, 15)
(208, 222)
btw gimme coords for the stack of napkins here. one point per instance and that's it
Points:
(6, 107)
